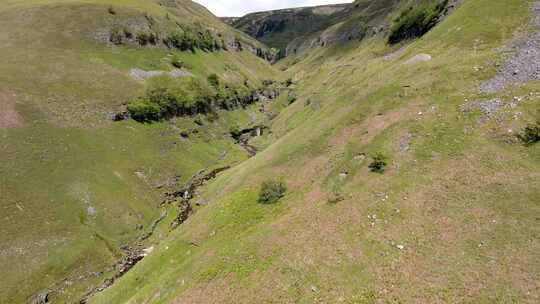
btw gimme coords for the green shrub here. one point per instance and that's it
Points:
(531, 134)
(206, 42)
(177, 62)
(289, 82)
(235, 131)
(144, 38)
(127, 33)
(416, 21)
(188, 97)
(379, 163)
(187, 40)
(142, 111)
(184, 41)
(200, 97)
(271, 192)
(117, 36)
(291, 98)
(213, 80)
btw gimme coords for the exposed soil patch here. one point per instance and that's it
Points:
(9, 117)
(216, 291)
(377, 124)
(524, 64)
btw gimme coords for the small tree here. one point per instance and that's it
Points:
(531, 134)
(379, 163)
(271, 192)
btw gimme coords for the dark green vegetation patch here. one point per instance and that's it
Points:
(416, 21)
(531, 134)
(271, 192)
(188, 97)
(189, 40)
(379, 163)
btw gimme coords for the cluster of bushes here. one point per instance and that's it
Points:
(144, 38)
(120, 35)
(188, 40)
(183, 40)
(271, 192)
(416, 21)
(187, 97)
(531, 134)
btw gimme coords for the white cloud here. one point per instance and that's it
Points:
(242, 7)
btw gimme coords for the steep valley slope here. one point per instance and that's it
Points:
(407, 181)
(278, 28)
(78, 191)
(295, 32)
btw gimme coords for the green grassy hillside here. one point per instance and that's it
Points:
(453, 219)
(74, 185)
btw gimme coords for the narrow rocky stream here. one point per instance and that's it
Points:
(132, 255)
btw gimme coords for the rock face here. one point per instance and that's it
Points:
(296, 31)
(359, 20)
(144, 30)
(278, 28)
(229, 20)
(418, 58)
(42, 298)
(524, 64)
(140, 75)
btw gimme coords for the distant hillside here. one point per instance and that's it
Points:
(295, 31)
(279, 27)
(229, 20)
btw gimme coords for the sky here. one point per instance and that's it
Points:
(236, 8)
